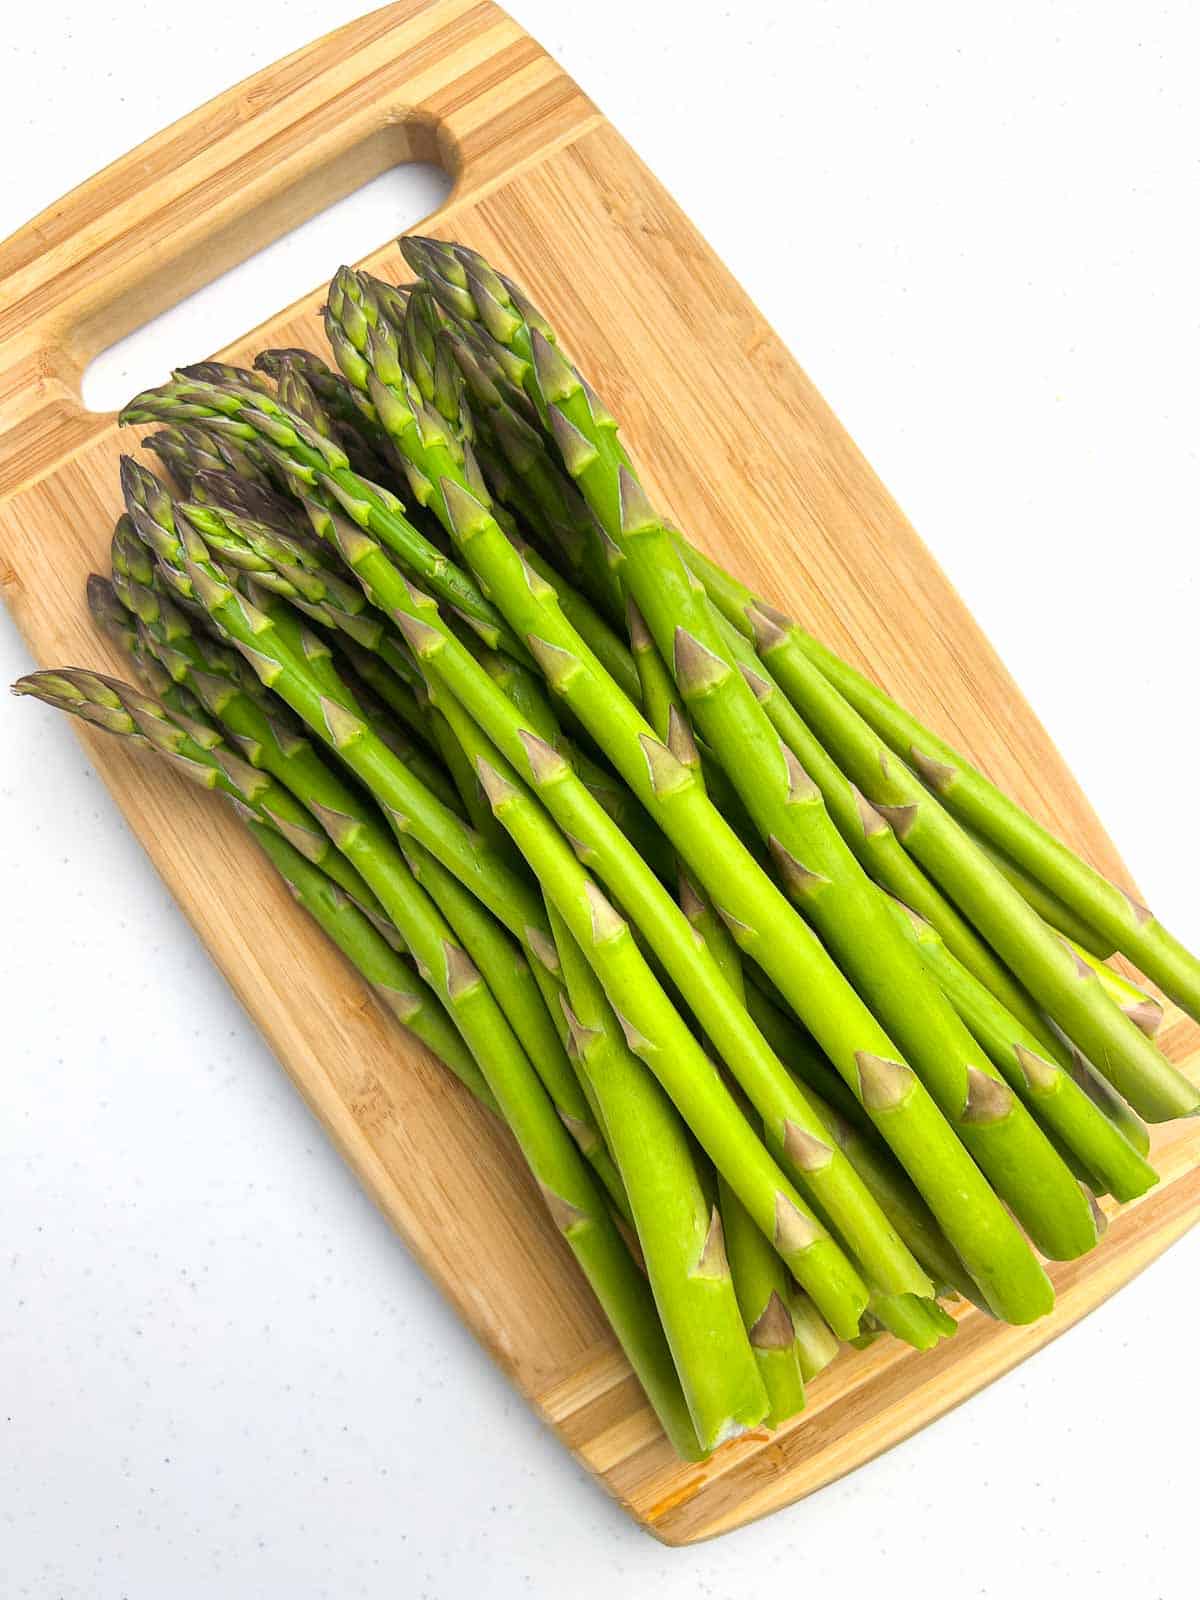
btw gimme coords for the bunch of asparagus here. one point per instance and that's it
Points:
(804, 1029)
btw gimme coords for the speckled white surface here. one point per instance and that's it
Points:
(219, 1372)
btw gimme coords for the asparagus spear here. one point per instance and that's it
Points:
(680, 1232)
(185, 450)
(302, 675)
(1065, 985)
(237, 544)
(506, 972)
(1048, 906)
(814, 863)
(759, 1277)
(1043, 1082)
(816, 1344)
(598, 840)
(368, 350)
(1141, 1008)
(405, 995)
(213, 680)
(765, 923)
(975, 802)
(316, 464)
(763, 1286)
(121, 710)
(656, 1033)
(296, 393)
(575, 1203)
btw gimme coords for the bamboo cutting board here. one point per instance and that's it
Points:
(548, 190)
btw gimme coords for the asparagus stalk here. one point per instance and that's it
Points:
(681, 1234)
(180, 728)
(186, 450)
(316, 464)
(542, 493)
(765, 924)
(401, 696)
(1046, 1086)
(296, 393)
(1048, 906)
(816, 1344)
(213, 684)
(368, 350)
(506, 972)
(301, 674)
(664, 710)
(407, 997)
(759, 1276)
(816, 866)
(574, 1202)
(599, 841)
(658, 1036)
(1065, 985)
(763, 1285)
(1141, 1008)
(978, 804)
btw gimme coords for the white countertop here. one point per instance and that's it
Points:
(220, 1374)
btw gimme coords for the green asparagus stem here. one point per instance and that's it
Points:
(978, 804)
(297, 394)
(317, 465)
(192, 745)
(656, 1033)
(575, 1203)
(186, 450)
(401, 697)
(298, 669)
(817, 868)
(542, 493)
(1141, 1008)
(1048, 906)
(1042, 1082)
(759, 1276)
(898, 1198)
(763, 1285)
(507, 973)
(466, 784)
(774, 1094)
(796, 1049)
(816, 1344)
(680, 1233)
(398, 988)
(1066, 986)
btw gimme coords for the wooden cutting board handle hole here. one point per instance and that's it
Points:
(453, 82)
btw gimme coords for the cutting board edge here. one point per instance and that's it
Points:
(462, 202)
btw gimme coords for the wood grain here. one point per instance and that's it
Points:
(744, 453)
